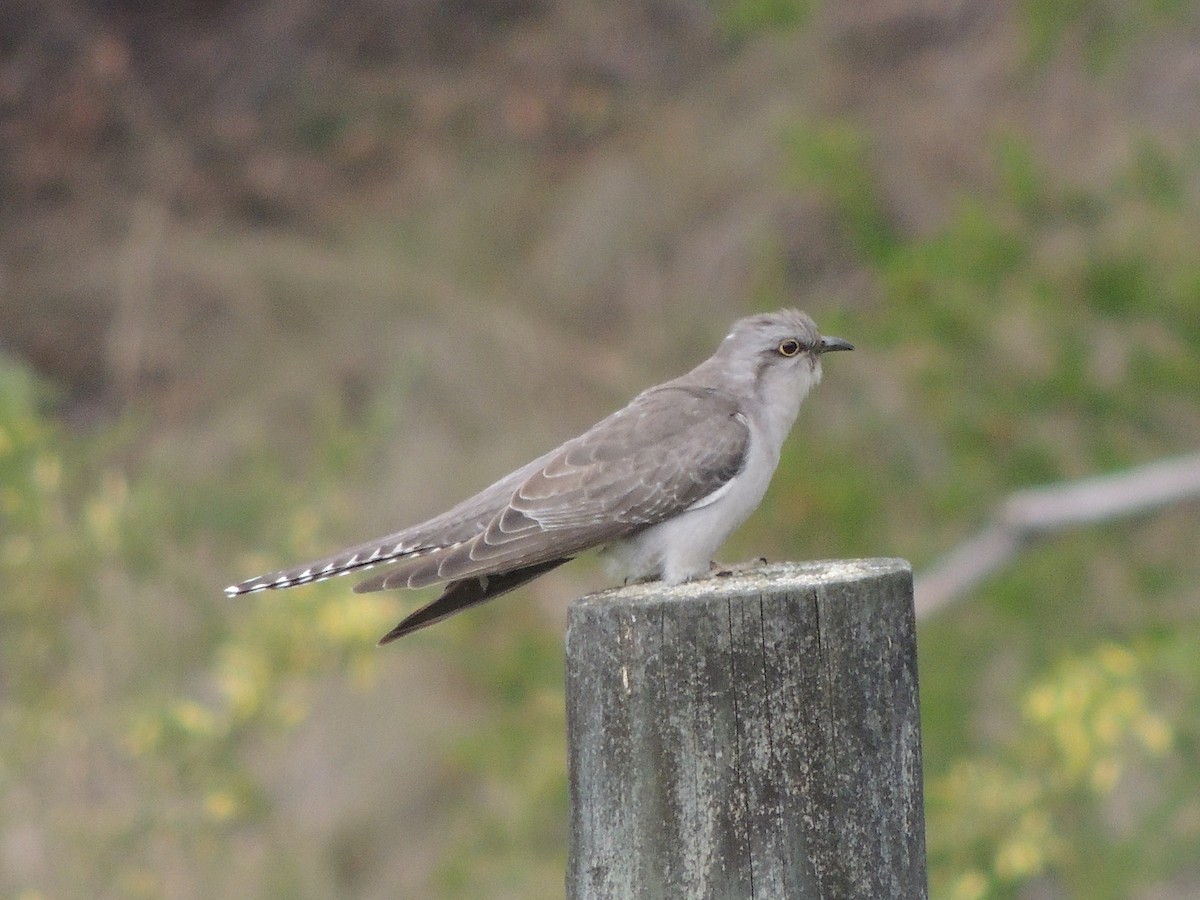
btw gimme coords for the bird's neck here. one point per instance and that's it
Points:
(776, 405)
(770, 400)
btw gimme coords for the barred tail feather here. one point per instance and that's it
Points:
(355, 559)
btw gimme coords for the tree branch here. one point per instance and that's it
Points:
(1037, 511)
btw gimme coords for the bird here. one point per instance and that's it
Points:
(657, 486)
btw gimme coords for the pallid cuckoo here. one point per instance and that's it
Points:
(659, 485)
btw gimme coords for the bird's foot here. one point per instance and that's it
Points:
(721, 570)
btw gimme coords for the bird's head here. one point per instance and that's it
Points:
(777, 354)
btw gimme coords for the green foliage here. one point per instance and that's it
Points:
(1043, 331)
(835, 156)
(514, 844)
(102, 612)
(1102, 28)
(1086, 734)
(744, 18)
(100, 646)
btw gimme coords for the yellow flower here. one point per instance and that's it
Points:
(220, 804)
(971, 885)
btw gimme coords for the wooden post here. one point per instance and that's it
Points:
(751, 736)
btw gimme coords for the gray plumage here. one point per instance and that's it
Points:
(658, 484)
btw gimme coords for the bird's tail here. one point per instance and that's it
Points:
(460, 595)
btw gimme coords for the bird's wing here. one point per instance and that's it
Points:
(665, 452)
(668, 449)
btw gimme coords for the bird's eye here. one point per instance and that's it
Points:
(789, 347)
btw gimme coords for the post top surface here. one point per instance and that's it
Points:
(774, 576)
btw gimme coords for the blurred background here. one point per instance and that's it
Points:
(282, 275)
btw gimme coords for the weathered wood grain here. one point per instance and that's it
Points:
(755, 736)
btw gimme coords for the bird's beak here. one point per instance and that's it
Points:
(832, 343)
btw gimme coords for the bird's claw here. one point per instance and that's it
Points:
(720, 570)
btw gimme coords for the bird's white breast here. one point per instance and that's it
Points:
(682, 547)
